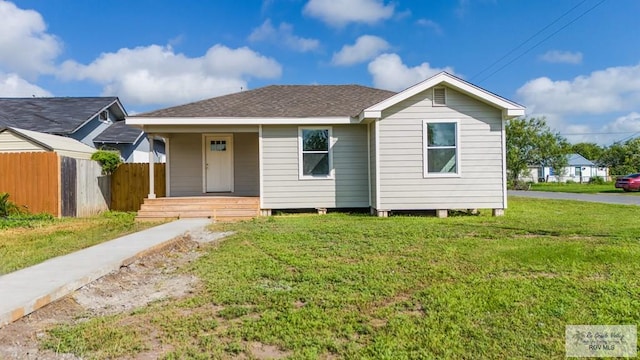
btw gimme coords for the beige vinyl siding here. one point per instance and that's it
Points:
(185, 154)
(186, 164)
(10, 142)
(245, 164)
(282, 189)
(402, 181)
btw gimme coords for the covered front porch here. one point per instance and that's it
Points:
(210, 172)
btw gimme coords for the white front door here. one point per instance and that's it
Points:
(218, 163)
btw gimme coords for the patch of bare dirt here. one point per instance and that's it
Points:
(152, 278)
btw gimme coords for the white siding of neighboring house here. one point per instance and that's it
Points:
(282, 189)
(402, 183)
(186, 164)
(10, 142)
(570, 173)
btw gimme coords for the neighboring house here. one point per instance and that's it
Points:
(437, 145)
(579, 169)
(80, 118)
(132, 143)
(19, 140)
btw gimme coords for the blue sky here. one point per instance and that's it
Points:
(577, 62)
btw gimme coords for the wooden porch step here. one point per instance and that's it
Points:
(194, 207)
(205, 200)
(217, 208)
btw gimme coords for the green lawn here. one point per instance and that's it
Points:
(28, 241)
(361, 287)
(579, 188)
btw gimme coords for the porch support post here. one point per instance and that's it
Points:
(152, 192)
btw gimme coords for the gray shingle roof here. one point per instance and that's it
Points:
(578, 160)
(282, 101)
(54, 115)
(118, 133)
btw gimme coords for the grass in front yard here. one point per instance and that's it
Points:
(28, 240)
(353, 286)
(607, 188)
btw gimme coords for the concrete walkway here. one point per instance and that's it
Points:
(601, 198)
(27, 290)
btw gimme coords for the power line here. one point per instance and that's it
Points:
(597, 133)
(543, 40)
(527, 40)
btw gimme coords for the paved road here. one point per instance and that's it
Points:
(630, 199)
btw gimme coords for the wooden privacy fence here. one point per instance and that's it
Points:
(130, 185)
(32, 180)
(44, 182)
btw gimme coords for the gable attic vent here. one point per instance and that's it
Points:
(439, 96)
(104, 116)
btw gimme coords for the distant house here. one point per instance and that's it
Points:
(437, 145)
(19, 140)
(132, 144)
(81, 118)
(579, 169)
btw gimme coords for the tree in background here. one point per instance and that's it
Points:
(591, 151)
(622, 158)
(531, 142)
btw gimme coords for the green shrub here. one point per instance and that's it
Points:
(570, 182)
(597, 180)
(108, 159)
(519, 185)
(8, 207)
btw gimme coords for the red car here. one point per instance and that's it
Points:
(629, 182)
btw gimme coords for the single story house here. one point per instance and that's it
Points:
(84, 119)
(579, 169)
(14, 140)
(437, 145)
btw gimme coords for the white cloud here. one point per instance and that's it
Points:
(603, 91)
(629, 123)
(157, 75)
(12, 85)
(366, 48)
(389, 72)
(430, 24)
(562, 57)
(283, 35)
(25, 46)
(339, 13)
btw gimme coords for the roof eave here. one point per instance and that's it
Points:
(115, 102)
(510, 108)
(140, 122)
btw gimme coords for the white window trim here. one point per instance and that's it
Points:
(425, 152)
(331, 174)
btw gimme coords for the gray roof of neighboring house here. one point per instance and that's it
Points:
(578, 160)
(282, 101)
(118, 133)
(55, 115)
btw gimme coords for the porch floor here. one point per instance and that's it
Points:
(218, 208)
